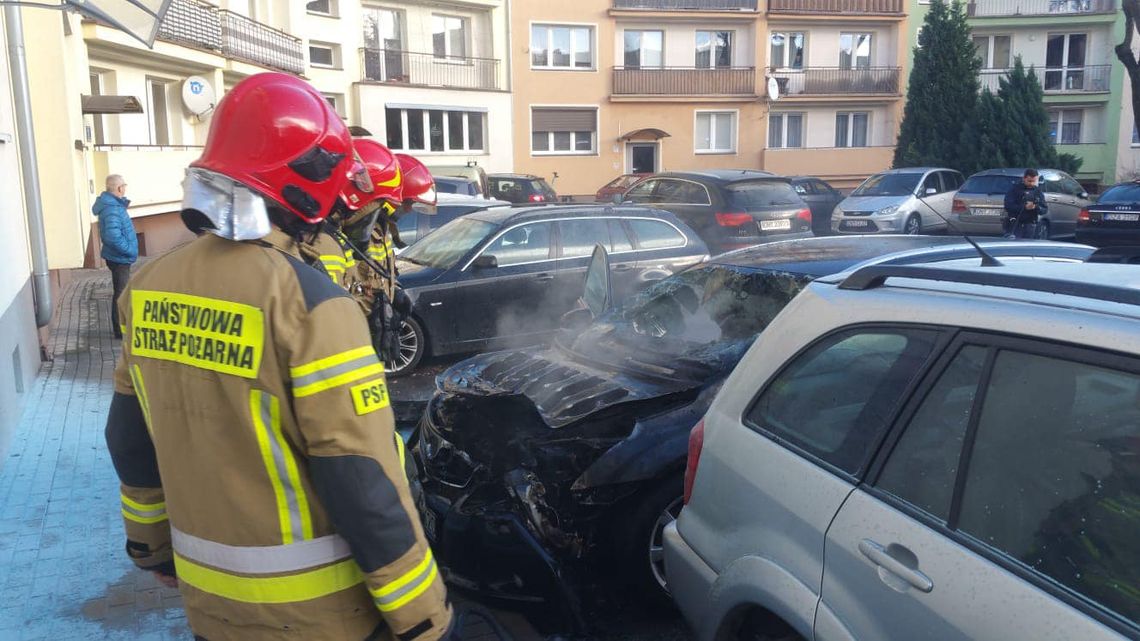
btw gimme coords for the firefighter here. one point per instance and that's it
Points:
(381, 294)
(250, 425)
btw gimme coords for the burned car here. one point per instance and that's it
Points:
(538, 467)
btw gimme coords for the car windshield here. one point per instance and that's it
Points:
(1125, 194)
(622, 182)
(540, 186)
(762, 193)
(989, 185)
(704, 318)
(451, 242)
(889, 185)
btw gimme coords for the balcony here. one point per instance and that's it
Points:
(841, 7)
(684, 81)
(686, 5)
(825, 81)
(393, 66)
(1059, 80)
(200, 25)
(1059, 8)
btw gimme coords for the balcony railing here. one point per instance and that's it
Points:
(201, 25)
(687, 5)
(429, 70)
(998, 8)
(826, 81)
(1059, 80)
(685, 81)
(836, 6)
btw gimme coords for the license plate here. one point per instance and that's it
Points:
(985, 211)
(428, 517)
(856, 223)
(775, 224)
(1131, 218)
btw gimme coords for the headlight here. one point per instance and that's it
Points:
(887, 211)
(838, 211)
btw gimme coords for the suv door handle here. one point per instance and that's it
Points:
(885, 560)
(542, 278)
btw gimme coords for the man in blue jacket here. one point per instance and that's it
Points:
(1024, 205)
(120, 245)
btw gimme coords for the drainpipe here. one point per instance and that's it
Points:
(25, 134)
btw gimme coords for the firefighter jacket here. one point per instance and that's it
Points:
(252, 434)
(335, 259)
(383, 252)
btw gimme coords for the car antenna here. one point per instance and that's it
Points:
(987, 259)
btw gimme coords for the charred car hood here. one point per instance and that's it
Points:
(562, 390)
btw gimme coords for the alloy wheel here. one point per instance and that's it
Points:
(657, 541)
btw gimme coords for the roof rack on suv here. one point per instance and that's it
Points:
(1120, 255)
(877, 275)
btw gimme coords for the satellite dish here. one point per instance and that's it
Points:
(773, 90)
(198, 96)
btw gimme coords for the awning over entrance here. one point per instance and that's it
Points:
(111, 105)
(649, 133)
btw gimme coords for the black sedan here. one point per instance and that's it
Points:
(504, 277)
(537, 468)
(1114, 219)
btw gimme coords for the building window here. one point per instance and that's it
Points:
(643, 49)
(716, 132)
(322, 7)
(564, 130)
(437, 130)
(855, 51)
(788, 50)
(157, 99)
(384, 45)
(851, 129)
(1065, 126)
(448, 36)
(714, 49)
(336, 101)
(561, 47)
(98, 135)
(1135, 136)
(993, 51)
(785, 130)
(1065, 61)
(324, 55)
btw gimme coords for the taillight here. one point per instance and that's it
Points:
(696, 442)
(537, 198)
(1084, 217)
(959, 207)
(804, 215)
(733, 219)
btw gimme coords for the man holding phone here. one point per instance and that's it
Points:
(1024, 205)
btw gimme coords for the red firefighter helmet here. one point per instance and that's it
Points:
(419, 186)
(276, 134)
(384, 172)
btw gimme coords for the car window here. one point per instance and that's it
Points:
(762, 193)
(642, 192)
(833, 400)
(408, 227)
(951, 180)
(1121, 194)
(1072, 187)
(619, 239)
(989, 184)
(580, 236)
(889, 185)
(1051, 183)
(694, 194)
(445, 247)
(822, 188)
(670, 191)
(522, 244)
(923, 466)
(654, 234)
(1053, 480)
(933, 181)
(804, 188)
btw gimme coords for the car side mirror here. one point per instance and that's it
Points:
(485, 261)
(930, 191)
(1084, 195)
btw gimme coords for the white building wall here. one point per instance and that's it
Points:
(13, 227)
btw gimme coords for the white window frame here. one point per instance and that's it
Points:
(641, 50)
(783, 65)
(98, 134)
(332, 47)
(854, 57)
(449, 55)
(152, 124)
(988, 60)
(851, 127)
(336, 100)
(713, 48)
(1135, 135)
(592, 31)
(426, 128)
(1061, 122)
(550, 151)
(734, 120)
(333, 11)
(783, 115)
(401, 18)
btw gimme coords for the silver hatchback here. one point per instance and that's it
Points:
(979, 206)
(885, 465)
(912, 200)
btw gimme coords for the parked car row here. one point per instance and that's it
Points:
(537, 468)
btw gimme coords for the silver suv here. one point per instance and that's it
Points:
(979, 206)
(924, 452)
(913, 200)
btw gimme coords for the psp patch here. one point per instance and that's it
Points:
(207, 333)
(370, 396)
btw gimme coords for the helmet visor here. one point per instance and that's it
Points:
(358, 174)
(235, 211)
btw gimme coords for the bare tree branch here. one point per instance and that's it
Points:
(1127, 56)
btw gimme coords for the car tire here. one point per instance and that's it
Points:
(412, 335)
(1042, 232)
(913, 225)
(640, 540)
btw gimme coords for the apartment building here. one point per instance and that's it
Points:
(838, 65)
(606, 87)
